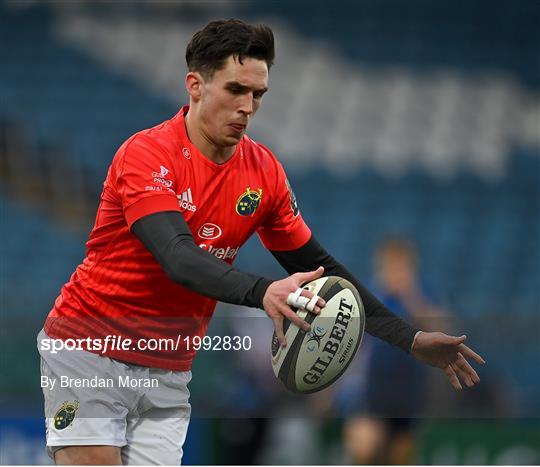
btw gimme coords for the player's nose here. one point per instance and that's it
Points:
(247, 104)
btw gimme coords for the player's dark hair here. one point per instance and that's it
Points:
(210, 47)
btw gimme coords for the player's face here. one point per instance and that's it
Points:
(396, 270)
(231, 98)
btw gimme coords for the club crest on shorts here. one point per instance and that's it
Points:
(65, 414)
(248, 202)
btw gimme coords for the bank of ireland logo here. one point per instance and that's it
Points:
(314, 338)
(65, 414)
(248, 202)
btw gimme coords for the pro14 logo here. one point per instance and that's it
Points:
(159, 177)
(294, 202)
(185, 200)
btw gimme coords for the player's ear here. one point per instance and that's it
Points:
(194, 83)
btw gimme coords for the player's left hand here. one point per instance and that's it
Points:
(450, 354)
(275, 301)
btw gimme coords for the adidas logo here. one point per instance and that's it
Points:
(186, 201)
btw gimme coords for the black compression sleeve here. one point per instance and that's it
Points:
(380, 321)
(167, 236)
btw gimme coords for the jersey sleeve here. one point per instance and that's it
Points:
(284, 228)
(145, 181)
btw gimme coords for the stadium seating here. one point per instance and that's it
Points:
(46, 83)
(59, 95)
(38, 256)
(419, 32)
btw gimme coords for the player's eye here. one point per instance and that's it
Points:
(258, 94)
(236, 90)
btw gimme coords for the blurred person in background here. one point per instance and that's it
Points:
(383, 431)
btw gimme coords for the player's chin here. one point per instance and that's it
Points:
(233, 138)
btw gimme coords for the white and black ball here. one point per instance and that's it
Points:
(314, 359)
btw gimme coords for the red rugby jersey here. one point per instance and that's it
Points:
(120, 289)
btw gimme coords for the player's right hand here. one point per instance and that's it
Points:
(450, 354)
(275, 301)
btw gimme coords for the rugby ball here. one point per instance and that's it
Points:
(314, 359)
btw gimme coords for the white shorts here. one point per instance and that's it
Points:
(96, 400)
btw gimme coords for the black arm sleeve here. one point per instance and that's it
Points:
(380, 321)
(167, 236)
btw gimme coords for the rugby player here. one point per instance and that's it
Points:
(178, 202)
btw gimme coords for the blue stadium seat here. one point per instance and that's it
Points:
(37, 258)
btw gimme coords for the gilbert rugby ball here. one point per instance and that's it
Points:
(313, 360)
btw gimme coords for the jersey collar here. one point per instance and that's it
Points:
(186, 142)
